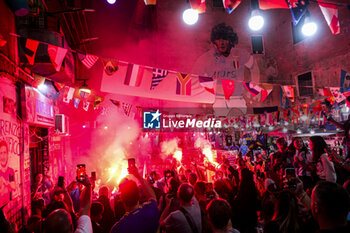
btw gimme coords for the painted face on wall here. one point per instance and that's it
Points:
(222, 46)
(3, 156)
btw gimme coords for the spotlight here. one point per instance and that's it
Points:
(190, 16)
(111, 1)
(271, 128)
(309, 28)
(256, 21)
(285, 130)
(312, 131)
(299, 131)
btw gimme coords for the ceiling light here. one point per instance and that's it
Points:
(111, 1)
(190, 16)
(256, 21)
(309, 28)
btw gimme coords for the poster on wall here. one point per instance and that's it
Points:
(36, 108)
(10, 151)
(57, 165)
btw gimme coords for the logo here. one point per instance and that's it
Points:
(151, 120)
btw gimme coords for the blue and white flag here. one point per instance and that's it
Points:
(158, 76)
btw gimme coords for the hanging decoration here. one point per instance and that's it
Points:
(231, 5)
(330, 13)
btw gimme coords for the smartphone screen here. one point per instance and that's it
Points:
(81, 172)
(60, 181)
(289, 172)
(131, 162)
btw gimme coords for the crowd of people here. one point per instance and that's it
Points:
(296, 189)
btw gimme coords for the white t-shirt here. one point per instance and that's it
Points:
(84, 225)
(213, 64)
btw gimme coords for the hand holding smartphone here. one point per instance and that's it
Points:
(60, 182)
(81, 172)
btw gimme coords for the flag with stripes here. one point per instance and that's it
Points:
(134, 74)
(183, 84)
(207, 83)
(158, 76)
(330, 13)
(253, 89)
(87, 59)
(126, 108)
(298, 8)
(30, 50)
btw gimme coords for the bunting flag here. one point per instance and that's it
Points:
(316, 106)
(88, 60)
(265, 91)
(183, 84)
(86, 105)
(110, 66)
(289, 92)
(150, 2)
(284, 100)
(229, 87)
(286, 114)
(207, 83)
(56, 55)
(253, 89)
(198, 5)
(296, 111)
(98, 101)
(231, 5)
(272, 4)
(324, 91)
(76, 102)
(338, 96)
(330, 13)
(68, 94)
(157, 76)
(305, 108)
(59, 86)
(298, 9)
(30, 50)
(38, 80)
(133, 75)
(344, 81)
(115, 102)
(126, 108)
(84, 94)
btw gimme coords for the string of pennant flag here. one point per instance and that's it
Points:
(134, 74)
